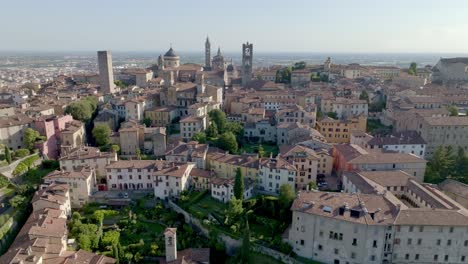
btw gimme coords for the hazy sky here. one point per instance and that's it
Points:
(272, 25)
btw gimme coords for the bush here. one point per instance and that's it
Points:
(50, 164)
(21, 153)
(24, 165)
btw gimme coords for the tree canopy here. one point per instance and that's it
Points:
(83, 109)
(227, 141)
(364, 96)
(219, 118)
(29, 137)
(444, 164)
(101, 134)
(200, 137)
(212, 130)
(412, 68)
(453, 110)
(239, 185)
(286, 195)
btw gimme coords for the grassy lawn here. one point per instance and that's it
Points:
(205, 206)
(253, 148)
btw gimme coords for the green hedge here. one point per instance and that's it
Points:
(24, 165)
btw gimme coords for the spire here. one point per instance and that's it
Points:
(219, 51)
(207, 39)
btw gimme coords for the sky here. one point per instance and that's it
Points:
(348, 26)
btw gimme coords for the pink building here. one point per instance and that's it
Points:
(50, 127)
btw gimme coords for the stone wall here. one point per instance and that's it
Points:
(274, 254)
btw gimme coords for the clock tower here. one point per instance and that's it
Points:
(207, 55)
(247, 59)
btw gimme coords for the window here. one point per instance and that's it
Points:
(372, 258)
(449, 242)
(446, 258)
(410, 229)
(466, 243)
(416, 257)
(407, 256)
(438, 242)
(336, 251)
(463, 258)
(302, 242)
(353, 255)
(409, 241)
(354, 242)
(320, 247)
(321, 233)
(374, 244)
(451, 230)
(419, 241)
(421, 228)
(436, 257)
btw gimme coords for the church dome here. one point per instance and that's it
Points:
(230, 68)
(170, 53)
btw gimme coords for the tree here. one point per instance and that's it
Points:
(284, 75)
(200, 137)
(412, 68)
(461, 163)
(239, 185)
(364, 96)
(115, 148)
(7, 154)
(147, 121)
(212, 130)
(138, 153)
(110, 238)
(29, 137)
(453, 110)
(21, 153)
(81, 110)
(245, 249)
(218, 117)
(299, 65)
(101, 134)
(17, 201)
(286, 196)
(261, 151)
(234, 211)
(227, 141)
(333, 115)
(120, 84)
(154, 249)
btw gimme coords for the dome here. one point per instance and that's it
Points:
(230, 68)
(170, 53)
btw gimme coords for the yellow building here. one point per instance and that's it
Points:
(325, 163)
(339, 131)
(161, 115)
(225, 165)
(201, 179)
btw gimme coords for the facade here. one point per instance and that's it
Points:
(451, 70)
(51, 127)
(12, 130)
(106, 73)
(222, 189)
(191, 125)
(306, 162)
(296, 114)
(354, 158)
(402, 142)
(188, 152)
(344, 107)
(82, 183)
(339, 131)
(225, 165)
(201, 179)
(300, 78)
(72, 136)
(275, 172)
(132, 174)
(91, 157)
(378, 227)
(162, 115)
(172, 180)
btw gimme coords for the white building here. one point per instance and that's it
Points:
(409, 142)
(191, 125)
(172, 180)
(344, 107)
(274, 172)
(132, 174)
(82, 184)
(222, 189)
(377, 228)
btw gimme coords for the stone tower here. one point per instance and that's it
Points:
(207, 54)
(327, 64)
(171, 244)
(247, 58)
(106, 73)
(161, 62)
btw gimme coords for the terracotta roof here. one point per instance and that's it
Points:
(136, 164)
(425, 216)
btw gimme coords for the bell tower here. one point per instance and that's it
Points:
(207, 54)
(171, 244)
(247, 59)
